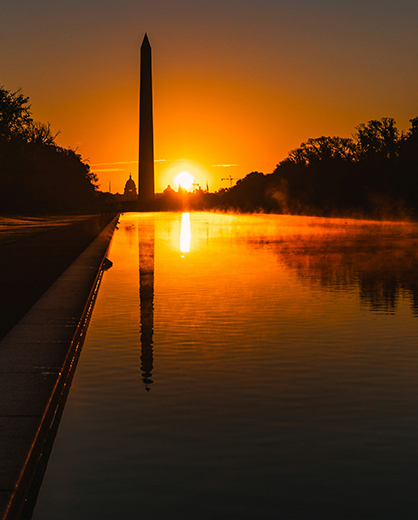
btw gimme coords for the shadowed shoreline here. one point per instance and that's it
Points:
(48, 281)
(34, 254)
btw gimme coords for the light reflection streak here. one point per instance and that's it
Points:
(185, 233)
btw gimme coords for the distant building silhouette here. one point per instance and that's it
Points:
(130, 190)
(169, 190)
(146, 190)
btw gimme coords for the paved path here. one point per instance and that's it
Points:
(13, 229)
(34, 252)
(38, 355)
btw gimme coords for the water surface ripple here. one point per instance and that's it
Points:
(245, 367)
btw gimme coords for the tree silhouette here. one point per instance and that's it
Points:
(377, 140)
(15, 117)
(37, 175)
(374, 173)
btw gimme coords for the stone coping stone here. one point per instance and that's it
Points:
(37, 361)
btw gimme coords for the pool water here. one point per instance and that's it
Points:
(245, 367)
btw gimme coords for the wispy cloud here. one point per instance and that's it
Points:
(115, 162)
(133, 162)
(223, 165)
(109, 170)
(169, 160)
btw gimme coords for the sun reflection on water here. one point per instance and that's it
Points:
(185, 233)
(285, 297)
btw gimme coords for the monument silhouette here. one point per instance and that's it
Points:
(146, 188)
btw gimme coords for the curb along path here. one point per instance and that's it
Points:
(37, 361)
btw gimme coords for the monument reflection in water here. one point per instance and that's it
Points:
(281, 359)
(146, 243)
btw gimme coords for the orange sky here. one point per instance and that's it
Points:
(237, 83)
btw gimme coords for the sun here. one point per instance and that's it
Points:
(184, 179)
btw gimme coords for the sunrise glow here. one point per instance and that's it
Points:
(230, 102)
(184, 179)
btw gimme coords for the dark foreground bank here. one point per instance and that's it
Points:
(55, 274)
(34, 254)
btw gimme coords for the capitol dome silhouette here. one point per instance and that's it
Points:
(130, 190)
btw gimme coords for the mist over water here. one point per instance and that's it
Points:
(243, 367)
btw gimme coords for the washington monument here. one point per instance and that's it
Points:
(146, 132)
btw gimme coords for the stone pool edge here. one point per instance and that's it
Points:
(37, 362)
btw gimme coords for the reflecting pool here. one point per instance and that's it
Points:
(245, 367)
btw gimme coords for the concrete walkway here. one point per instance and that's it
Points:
(34, 252)
(37, 360)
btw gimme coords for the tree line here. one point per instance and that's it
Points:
(374, 173)
(37, 175)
